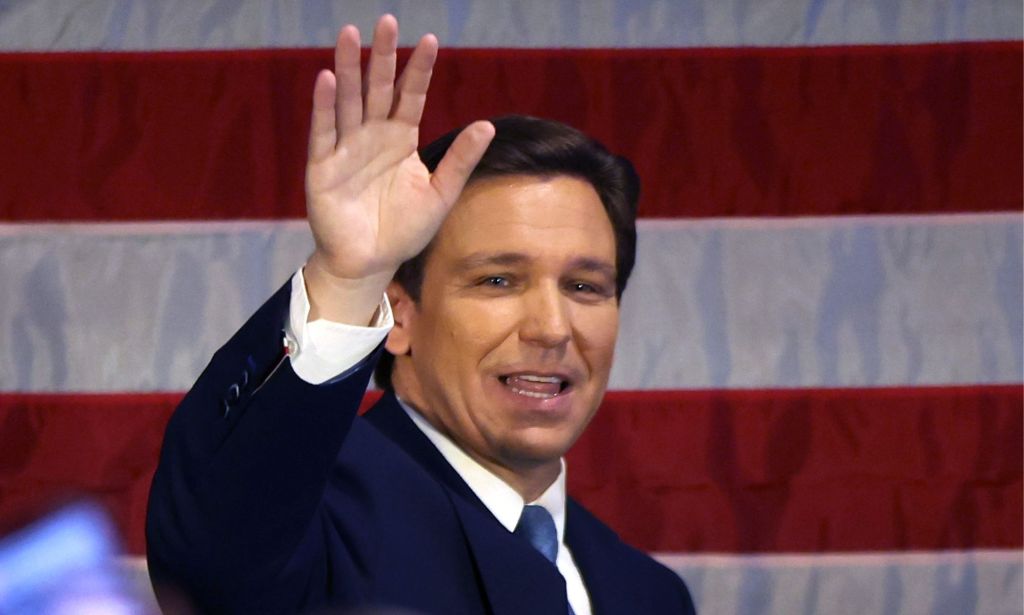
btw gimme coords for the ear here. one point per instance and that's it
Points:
(403, 309)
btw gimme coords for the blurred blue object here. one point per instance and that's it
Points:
(65, 563)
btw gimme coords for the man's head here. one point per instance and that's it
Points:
(540, 148)
(506, 322)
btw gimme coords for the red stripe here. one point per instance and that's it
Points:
(60, 447)
(807, 470)
(713, 132)
(694, 471)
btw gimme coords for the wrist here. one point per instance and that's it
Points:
(352, 301)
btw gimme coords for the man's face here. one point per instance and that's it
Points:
(510, 345)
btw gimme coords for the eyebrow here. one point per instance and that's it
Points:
(483, 259)
(508, 259)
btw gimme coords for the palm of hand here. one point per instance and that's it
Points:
(372, 200)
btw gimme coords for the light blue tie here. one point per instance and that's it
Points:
(538, 528)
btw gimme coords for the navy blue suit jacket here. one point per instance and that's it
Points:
(272, 496)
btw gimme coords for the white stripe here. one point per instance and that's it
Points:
(889, 301)
(153, 229)
(798, 561)
(824, 302)
(176, 227)
(827, 222)
(213, 24)
(934, 583)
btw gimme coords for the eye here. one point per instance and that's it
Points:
(495, 284)
(582, 287)
(494, 281)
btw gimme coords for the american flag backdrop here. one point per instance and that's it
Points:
(816, 404)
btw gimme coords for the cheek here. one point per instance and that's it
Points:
(476, 328)
(481, 323)
(596, 334)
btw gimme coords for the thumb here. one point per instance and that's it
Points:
(459, 161)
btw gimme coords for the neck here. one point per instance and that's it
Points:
(530, 483)
(529, 478)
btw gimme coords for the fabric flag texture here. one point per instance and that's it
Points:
(816, 405)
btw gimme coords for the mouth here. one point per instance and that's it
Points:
(537, 386)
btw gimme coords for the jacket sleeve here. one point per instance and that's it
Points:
(244, 464)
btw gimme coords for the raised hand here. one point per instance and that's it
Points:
(371, 202)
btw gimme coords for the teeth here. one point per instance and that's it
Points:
(546, 379)
(533, 394)
(534, 385)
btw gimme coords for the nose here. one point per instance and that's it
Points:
(546, 321)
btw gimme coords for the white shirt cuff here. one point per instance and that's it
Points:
(322, 349)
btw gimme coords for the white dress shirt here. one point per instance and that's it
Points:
(506, 504)
(321, 349)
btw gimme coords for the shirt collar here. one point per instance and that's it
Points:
(502, 500)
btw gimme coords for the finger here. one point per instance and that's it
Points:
(323, 134)
(460, 160)
(415, 81)
(380, 74)
(348, 107)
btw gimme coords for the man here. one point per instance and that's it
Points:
(503, 256)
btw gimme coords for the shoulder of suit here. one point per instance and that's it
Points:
(605, 538)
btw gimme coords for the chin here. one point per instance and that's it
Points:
(537, 451)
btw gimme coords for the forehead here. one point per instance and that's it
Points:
(538, 216)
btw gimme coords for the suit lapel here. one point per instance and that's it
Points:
(588, 539)
(506, 564)
(390, 419)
